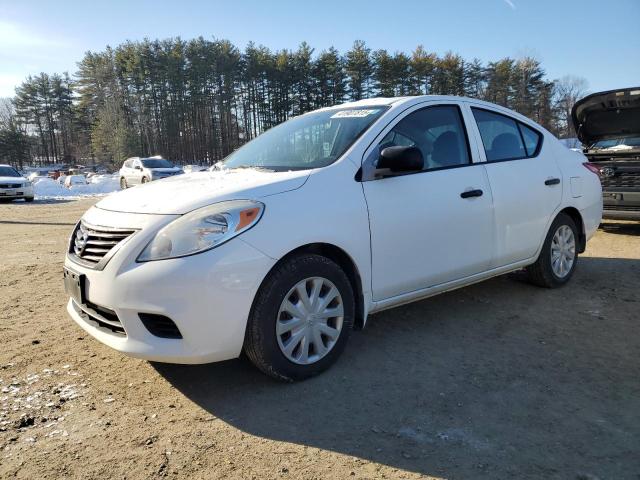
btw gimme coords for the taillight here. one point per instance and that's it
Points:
(592, 168)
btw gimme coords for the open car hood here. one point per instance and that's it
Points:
(603, 115)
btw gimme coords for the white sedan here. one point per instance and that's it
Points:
(339, 213)
(13, 185)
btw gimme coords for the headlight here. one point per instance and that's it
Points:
(202, 229)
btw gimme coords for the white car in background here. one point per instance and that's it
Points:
(138, 170)
(13, 185)
(73, 180)
(317, 223)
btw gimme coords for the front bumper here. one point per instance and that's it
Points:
(208, 296)
(14, 193)
(619, 204)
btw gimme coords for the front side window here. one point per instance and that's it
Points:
(8, 172)
(504, 138)
(313, 140)
(437, 131)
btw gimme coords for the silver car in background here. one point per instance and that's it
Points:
(136, 170)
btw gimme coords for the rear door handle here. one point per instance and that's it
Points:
(471, 193)
(552, 181)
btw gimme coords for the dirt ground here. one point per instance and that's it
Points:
(497, 380)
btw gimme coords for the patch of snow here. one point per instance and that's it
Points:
(47, 188)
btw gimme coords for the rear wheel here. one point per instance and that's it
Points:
(559, 255)
(301, 318)
(123, 183)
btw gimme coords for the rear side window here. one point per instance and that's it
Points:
(505, 138)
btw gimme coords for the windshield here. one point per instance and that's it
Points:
(8, 172)
(615, 142)
(313, 140)
(156, 163)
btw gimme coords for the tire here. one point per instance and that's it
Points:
(123, 183)
(144, 180)
(266, 349)
(28, 199)
(542, 273)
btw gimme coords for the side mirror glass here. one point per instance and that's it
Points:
(401, 159)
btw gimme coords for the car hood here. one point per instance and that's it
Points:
(182, 193)
(12, 179)
(603, 115)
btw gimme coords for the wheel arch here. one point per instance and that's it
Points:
(344, 261)
(575, 215)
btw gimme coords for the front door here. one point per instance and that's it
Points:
(434, 226)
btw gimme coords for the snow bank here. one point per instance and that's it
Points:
(47, 188)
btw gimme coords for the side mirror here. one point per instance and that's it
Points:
(401, 159)
(138, 167)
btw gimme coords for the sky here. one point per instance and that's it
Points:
(597, 40)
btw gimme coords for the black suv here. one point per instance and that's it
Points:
(608, 125)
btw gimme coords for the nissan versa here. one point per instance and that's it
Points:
(295, 238)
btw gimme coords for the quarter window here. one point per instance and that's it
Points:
(504, 138)
(437, 131)
(531, 139)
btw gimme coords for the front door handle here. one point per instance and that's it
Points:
(471, 193)
(552, 181)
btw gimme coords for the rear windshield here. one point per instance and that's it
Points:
(8, 172)
(157, 163)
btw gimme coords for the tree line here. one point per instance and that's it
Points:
(198, 100)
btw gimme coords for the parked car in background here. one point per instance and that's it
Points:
(13, 185)
(72, 180)
(322, 220)
(608, 124)
(39, 172)
(138, 170)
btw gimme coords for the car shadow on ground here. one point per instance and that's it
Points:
(500, 379)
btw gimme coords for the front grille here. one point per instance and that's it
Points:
(100, 317)
(93, 245)
(10, 185)
(622, 179)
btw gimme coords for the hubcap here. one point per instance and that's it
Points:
(309, 320)
(563, 251)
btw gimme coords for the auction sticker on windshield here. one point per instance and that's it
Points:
(354, 113)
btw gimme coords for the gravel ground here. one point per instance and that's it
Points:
(497, 380)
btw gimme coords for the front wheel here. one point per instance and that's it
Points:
(145, 179)
(28, 199)
(559, 255)
(301, 318)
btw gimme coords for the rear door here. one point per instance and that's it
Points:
(432, 226)
(526, 183)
